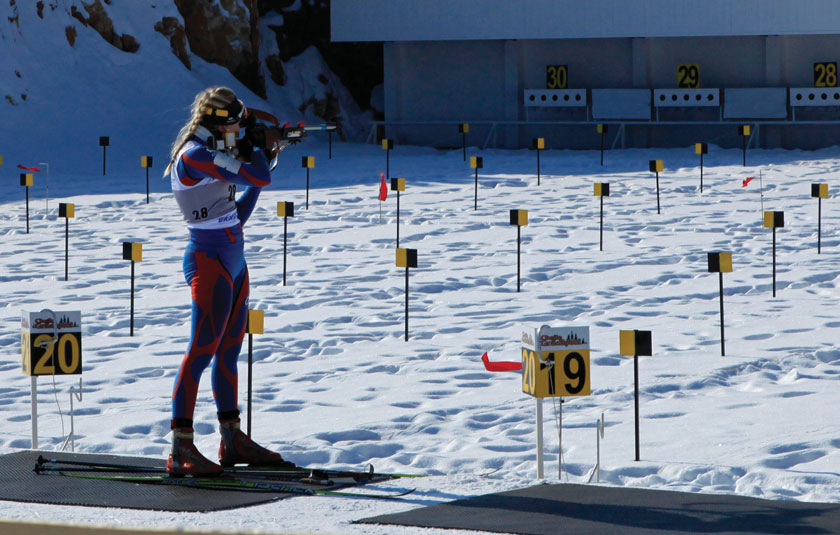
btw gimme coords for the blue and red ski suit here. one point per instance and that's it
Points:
(204, 182)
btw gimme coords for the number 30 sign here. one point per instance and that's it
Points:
(51, 343)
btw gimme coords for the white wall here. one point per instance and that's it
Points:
(446, 20)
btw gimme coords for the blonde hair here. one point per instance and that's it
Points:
(217, 97)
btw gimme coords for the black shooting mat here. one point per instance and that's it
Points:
(597, 510)
(19, 483)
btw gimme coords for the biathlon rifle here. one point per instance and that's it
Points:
(264, 131)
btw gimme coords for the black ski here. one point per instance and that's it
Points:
(44, 465)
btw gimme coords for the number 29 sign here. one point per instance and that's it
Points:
(556, 364)
(51, 343)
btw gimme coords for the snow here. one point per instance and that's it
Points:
(335, 383)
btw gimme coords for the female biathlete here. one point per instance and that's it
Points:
(205, 168)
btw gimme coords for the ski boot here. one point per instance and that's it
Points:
(237, 448)
(185, 459)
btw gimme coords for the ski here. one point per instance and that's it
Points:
(232, 483)
(44, 465)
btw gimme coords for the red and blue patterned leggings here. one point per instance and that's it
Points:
(215, 269)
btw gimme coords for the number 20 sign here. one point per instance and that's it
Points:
(51, 343)
(562, 368)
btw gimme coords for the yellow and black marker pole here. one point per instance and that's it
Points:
(701, 149)
(720, 263)
(146, 161)
(285, 209)
(602, 189)
(132, 251)
(820, 191)
(656, 166)
(27, 180)
(406, 258)
(398, 185)
(744, 133)
(104, 141)
(255, 321)
(635, 344)
(476, 162)
(307, 162)
(464, 129)
(774, 220)
(388, 146)
(519, 218)
(66, 210)
(602, 130)
(538, 144)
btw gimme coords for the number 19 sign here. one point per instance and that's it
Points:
(557, 364)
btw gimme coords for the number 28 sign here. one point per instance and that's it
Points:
(51, 343)
(556, 364)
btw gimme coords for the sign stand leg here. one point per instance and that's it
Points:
(774, 261)
(285, 223)
(34, 412)
(406, 302)
(819, 224)
(722, 339)
(559, 440)
(540, 473)
(657, 193)
(636, 392)
(250, 367)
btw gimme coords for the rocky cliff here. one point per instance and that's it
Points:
(253, 39)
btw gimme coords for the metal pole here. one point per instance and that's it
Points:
(250, 366)
(601, 233)
(27, 209)
(538, 167)
(131, 323)
(540, 472)
(636, 380)
(66, 247)
(103, 160)
(307, 188)
(701, 172)
(819, 223)
(34, 390)
(518, 252)
(285, 222)
(406, 302)
(329, 135)
(147, 185)
(398, 219)
(475, 206)
(722, 343)
(657, 192)
(774, 261)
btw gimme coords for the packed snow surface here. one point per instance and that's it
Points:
(336, 383)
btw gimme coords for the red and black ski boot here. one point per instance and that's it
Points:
(185, 459)
(238, 448)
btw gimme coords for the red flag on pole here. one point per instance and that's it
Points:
(746, 181)
(33, 169)
(505, 366)
(383, 188)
